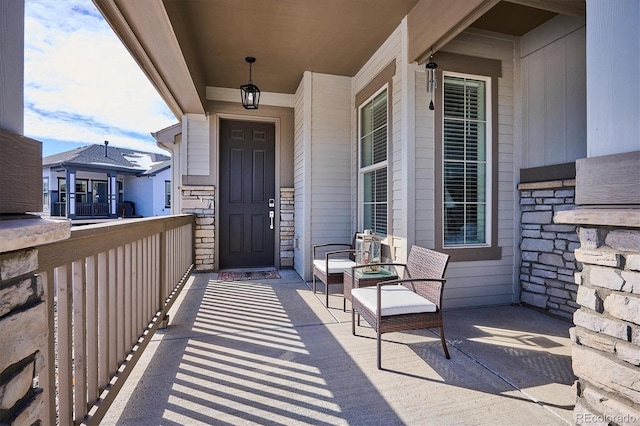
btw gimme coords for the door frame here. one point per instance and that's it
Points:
(216, 152)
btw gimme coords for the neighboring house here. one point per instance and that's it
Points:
(109, 182)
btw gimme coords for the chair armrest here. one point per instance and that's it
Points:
(407, 280)
(327, 254)
(437, 298)
(317, 246)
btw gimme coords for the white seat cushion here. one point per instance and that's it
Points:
(336, 266)
(396, 300)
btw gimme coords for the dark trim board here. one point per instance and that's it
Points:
(609, 180)
(548, 173)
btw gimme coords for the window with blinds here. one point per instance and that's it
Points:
(465, 161)
(373, 163)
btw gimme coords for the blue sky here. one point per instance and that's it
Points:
(81, 86)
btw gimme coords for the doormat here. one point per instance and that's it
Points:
(270, 274)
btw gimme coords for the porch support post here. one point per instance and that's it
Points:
(606, 342)
(113, 195)
(71, 193)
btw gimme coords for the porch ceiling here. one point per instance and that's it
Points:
(186, 45)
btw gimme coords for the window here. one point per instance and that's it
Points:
(120, 186)
(373, 162)
(82, 189)
(62, 190)
(45, 193)
(465, 162)
(167, 193)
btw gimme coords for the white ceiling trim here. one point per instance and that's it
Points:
(225, 94)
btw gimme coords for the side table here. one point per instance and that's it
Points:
(362, 279)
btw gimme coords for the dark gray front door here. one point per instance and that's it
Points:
(247, 194)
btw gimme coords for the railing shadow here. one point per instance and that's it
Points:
(249, 353)
(246, 352)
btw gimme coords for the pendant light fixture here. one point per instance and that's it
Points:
(249, 92)
(432, 78)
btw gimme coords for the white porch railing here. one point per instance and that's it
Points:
(114, 284)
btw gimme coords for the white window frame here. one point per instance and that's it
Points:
(488, 161)
(377, 166)
(46, 198)
(167, 194)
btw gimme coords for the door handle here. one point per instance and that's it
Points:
(271, 216)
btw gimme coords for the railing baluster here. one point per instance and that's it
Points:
(93, 391)
(140, 287)
(48, 377)
(65, 369)
(112, 320)
(103, 321)
(120, 305)
(79, 343)
(135, 296)
(128, 305)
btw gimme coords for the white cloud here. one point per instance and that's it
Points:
(81, 85)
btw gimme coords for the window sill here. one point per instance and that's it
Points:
(472, 254)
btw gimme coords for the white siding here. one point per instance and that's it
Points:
(485, 282)
(12, 68)
(301, 171)
(554, 92)
(322, 171)
(196, 134)
(425, 165)
(613, 67)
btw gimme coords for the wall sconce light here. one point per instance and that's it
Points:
(249, 92)
(432, 78)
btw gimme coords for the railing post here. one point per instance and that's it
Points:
(162, 264)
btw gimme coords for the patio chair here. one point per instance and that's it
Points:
(330, 269)
(411, 303)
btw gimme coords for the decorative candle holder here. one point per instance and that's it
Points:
(368, 249)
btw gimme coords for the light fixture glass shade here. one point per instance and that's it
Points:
(250, 96)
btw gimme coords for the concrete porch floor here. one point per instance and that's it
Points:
(270, 352)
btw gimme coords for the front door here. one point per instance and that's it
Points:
(247, 194)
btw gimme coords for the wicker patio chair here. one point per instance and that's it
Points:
(330, 269)
(411, 303)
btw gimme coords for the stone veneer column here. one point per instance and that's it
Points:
(548, 263)
(24, 329)
(606, 336)
(287, 227)
(200, 201)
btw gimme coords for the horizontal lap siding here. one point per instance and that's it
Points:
(299, 173)
(330, 191)
(554, 92)
(486, 282)
(425, 164)
(198, 146)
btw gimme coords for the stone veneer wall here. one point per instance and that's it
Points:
(286, 227)
(24, 330)
(548, 263)
(200, 201)
(606, 336)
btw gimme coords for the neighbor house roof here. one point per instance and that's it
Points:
(99, 157)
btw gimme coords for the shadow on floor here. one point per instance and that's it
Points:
(270, 353)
